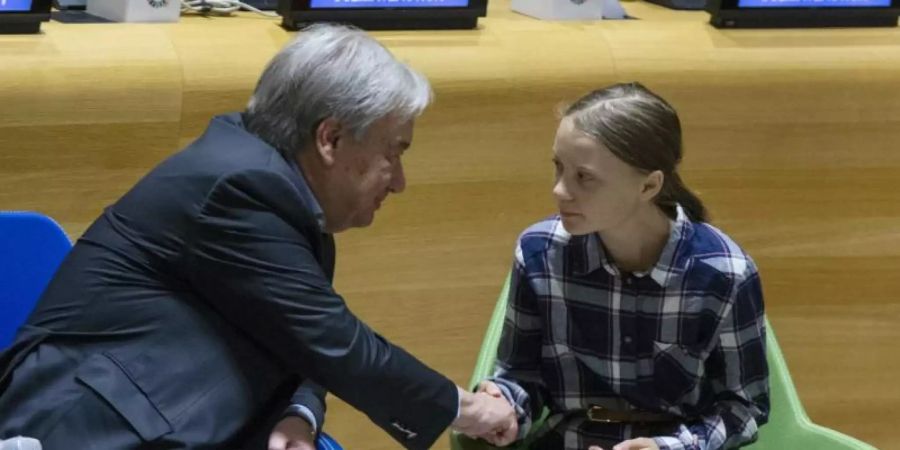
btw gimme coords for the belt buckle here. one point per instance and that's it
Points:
(593, 414)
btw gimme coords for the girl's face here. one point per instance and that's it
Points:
(595, 191)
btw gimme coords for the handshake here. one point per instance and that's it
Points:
(487, 415)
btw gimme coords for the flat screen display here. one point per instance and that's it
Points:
(15, 5)
(814, 3)
(380, 4)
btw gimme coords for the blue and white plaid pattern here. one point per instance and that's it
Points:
(685, 338)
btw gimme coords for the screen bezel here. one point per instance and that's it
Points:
(442, 8)
(10, 11)
(474, 5)
(37, 6)
(733, 5)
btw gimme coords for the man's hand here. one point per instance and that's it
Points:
(632, 444)
(490, 388)
(502, 438)
(486, 416)
(292, 433)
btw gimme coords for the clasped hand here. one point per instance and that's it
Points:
(487, 415)
(495, 421)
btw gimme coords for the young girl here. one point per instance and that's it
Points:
(635, 322)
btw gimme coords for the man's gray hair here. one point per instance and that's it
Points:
(331, 71)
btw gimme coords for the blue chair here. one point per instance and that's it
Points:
(325, 442)
(31, 248)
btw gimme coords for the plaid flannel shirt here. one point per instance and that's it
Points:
(686, 338)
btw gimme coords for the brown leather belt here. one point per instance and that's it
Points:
(600, 414)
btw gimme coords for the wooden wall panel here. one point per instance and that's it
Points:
(791, 138)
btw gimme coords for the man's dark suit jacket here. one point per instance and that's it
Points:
(192, 309)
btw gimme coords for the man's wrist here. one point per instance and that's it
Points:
(466, 400)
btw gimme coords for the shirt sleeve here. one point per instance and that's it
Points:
(738, 374)
(517, 371)
(308, 403)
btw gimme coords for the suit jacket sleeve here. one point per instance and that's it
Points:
(252, 255)
(312, 397)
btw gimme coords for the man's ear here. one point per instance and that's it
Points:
(652, 185)
(327, 136)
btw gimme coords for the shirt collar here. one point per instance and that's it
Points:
(592, 256)
(308, 197)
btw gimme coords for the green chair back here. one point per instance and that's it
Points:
(788, 428)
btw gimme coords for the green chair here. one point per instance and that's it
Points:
(788, 428)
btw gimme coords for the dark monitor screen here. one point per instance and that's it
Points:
(361, 4)
(23, 16)
(15, 5)
(384, 14)
(803, 13)
(814, 3)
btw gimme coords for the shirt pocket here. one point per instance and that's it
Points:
(677, 371)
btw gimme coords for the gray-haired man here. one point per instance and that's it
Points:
(198, 310)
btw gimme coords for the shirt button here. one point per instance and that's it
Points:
(627, 339)
(627, 280)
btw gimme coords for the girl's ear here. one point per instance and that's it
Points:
(652, 185)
